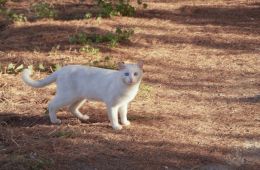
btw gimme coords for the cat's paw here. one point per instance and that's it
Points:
(85, 117)
(117, 127)
(57, 121)
(127, 123)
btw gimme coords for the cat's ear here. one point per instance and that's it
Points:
(140, 64)
(121, 65)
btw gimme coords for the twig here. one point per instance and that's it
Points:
(15, 142)
(51, 69)
(53, 131)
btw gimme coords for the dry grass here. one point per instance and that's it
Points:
(198, 107)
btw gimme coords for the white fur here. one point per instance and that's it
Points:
(76, 84)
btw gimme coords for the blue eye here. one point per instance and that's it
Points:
(135, 74)
(126, 74)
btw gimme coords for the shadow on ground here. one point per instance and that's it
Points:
(70, 148)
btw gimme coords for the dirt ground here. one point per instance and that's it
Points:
(198, 106)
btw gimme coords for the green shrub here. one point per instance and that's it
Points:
(88, 49)
(125, 9)
(44, 10)
(121, 7)
(88, 15)
(2, 2)
(107, 63)
(13, 16)
(80, 38)
(106, 9)
(113, 39)
(17, 17)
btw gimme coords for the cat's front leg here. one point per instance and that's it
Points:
(113, 117)
(123, 115)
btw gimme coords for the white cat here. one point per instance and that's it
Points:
(76, 84)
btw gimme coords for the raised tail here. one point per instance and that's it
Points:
(38, 83)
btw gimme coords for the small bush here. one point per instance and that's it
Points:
(18, 17)
(64, 134)
(106, 63)
(88, 49)
(125, 9)
(16, 68)
(11, 68)
(2, 2)
(80, 38)
(88, 15)
(106, 9)
(122, 7)
(13, 16)
(112, 38)
(44, 10)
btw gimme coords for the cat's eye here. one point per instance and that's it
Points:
(126, 74)
(135, 74)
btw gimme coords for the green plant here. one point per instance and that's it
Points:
(17, 17)
(3, 2)
(145, 90)
(80, 38)
(113, 39)
(55, 67)
(106, 9)
(32, 161)
(121, 7)
(11, 68)
(124, 8)
(64, 134)
(13, 16)
(88, 49)
(54, 50)
(145, 5)
(140, 2)
(41, 67)
(88, 15)
(107, 63)
(44, 10)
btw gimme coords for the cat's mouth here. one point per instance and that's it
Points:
(130, 83)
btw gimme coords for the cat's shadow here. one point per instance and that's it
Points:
(22, 120)
(31, 120)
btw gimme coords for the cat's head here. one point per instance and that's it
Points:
(131, 74)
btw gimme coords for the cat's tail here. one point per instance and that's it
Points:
(37, 83)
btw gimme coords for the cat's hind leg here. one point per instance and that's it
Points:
(55, 104)
(74, 108)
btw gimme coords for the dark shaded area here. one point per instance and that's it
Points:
(229, 100)
(76, 11)
(24, 120)
(4, 22)
(240, 136)
(45, 38)
(248, 46)
(253, 99)
(40, 37)
(125, 154)
(31, 120)
(96, 116)
(247, 16)
(65, 11)
(234, 19)
(240, 19)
